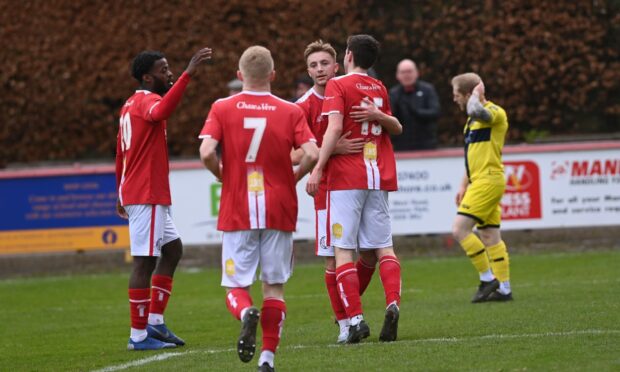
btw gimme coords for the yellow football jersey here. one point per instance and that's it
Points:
(484, 142)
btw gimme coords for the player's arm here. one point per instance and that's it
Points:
(119, 172)
(475, 109)
(348, 146)
(162, 109)
(368, 111)
(343, 146)
(208, 156)
(310, 155)
(462, 189)
(333, 133)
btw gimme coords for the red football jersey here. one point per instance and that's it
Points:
(141, 148)
(256, 131)
(375, 167)
(312, 105)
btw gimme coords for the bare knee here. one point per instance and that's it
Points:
(330, 263)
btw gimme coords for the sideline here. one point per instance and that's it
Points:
(160, 357)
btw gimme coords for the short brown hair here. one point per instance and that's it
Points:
(319, 46)
(256, 63)
(365, 49)
(465, 83)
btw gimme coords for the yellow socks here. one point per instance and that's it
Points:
(474, 248)
(500, 263)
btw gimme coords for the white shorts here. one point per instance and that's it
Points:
(359, 219)
(242, 251)
(321, 248)
(150, 228)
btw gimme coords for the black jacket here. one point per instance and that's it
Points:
(417, 111)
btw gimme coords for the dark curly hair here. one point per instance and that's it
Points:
(143, 63)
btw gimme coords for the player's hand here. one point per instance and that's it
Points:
(349, 146)
(479, 89)
(459, 195)
(312, 187)
(199, 58)
(122, 213)
(367, 111)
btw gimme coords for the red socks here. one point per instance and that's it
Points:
(272, 318)
(161, 288)
(364, 273)
(349, 288)
(238, 299)
(389, 269)
(334, 296)
(139, 307)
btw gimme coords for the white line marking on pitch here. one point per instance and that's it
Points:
(160, 357)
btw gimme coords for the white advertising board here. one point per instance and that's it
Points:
(545, 189)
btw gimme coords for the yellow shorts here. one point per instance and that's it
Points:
(482, 202)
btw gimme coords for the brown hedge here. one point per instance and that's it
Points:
(553, 64)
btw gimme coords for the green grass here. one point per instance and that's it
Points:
(566, 316)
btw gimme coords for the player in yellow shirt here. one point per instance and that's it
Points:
(482, 187)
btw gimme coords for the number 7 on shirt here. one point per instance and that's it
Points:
(258, 124)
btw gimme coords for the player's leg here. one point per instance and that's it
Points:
(345, 207)
(143, 232)
(276, 260)
(376, 235)
(365, 265)
(162, 280)
(462, 230)
(327, 251)
(479, 201)
(498, 255)
(240, 258)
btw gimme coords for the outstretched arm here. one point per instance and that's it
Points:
(163, 109)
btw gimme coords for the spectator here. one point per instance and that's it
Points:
(303, 83)
(414, 102)
(234, 86)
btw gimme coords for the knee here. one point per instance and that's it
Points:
(330, 264)
(143, 266)
(459, 232)
(173, 250)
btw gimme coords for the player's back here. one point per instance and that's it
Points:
(144, 150)
(258, 131)
(375, 167)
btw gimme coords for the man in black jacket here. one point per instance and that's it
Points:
(416, 105)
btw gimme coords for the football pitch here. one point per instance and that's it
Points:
(566, 316)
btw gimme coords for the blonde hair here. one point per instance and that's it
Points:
(319, 46)
(256, 63)
(465, 83)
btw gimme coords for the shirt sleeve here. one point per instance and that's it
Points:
(334, 99)
(212, 127)
(160, 109)
(303, 133)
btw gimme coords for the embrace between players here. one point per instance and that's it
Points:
(261, 137)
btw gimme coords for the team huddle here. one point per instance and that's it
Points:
(339, 134)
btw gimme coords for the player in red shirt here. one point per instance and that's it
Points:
(322, 66)
(144, 195)
(359, 183)
(258, 205)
